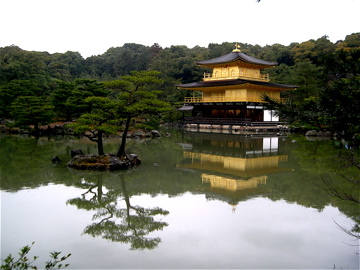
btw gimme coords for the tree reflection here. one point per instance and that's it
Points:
(347, 188)
(126, 224)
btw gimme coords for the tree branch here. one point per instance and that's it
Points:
(349, 232)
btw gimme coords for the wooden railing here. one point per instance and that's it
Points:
(222, 121)
(225, 99)
(236, 75)
(220, 99)
(230, 121)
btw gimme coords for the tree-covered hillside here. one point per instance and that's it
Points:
(327, 74)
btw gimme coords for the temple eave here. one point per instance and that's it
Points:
(226, 83)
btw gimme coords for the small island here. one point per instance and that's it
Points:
(106, 162)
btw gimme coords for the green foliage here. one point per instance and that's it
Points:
(340, 103)
(69, 98)
(179, 63)
(343, 63)
(18, 64)
(69, 79)
(31, 110)
(328, 91)
(153, 122)
(18, 88)
(101, 120)
(217, 50)
(61, 100)
(24, 263)
(134, 95)
(302, 106)
(66, 66)
(84, 88)
(130, 96)
(308, 77)
(120, 61)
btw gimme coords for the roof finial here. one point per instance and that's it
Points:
(237, 48)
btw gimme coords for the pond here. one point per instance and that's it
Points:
(198, 200)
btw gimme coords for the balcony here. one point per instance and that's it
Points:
(226, 99)
(235, 75)
(218, 121)
(220, 99)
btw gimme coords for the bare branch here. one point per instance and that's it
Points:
(331, 190)
(349, 232)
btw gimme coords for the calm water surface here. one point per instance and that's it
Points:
(197, 201)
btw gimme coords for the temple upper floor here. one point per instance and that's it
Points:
(236, 72)
(236, 65)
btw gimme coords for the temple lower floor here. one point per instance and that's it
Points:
(250, 112)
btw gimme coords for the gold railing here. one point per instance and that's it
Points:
(236, 75)
(220, 99)
(225, 99)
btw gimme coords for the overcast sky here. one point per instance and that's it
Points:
(93, 26)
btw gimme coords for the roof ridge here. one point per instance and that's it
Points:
(236, 55)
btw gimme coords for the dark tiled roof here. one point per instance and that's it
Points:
(234, 56)
(233, 82)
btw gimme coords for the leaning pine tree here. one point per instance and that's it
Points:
(99, 121)
(136, 94)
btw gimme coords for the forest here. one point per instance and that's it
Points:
(37, 88)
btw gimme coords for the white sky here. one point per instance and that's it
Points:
(93, 26)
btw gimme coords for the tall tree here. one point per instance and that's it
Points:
(83, 88)
(340, 103)
(101, 120)
(136, 94)
(30, 110)
(308, 77)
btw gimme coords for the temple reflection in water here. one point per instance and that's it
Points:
(231, 163)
